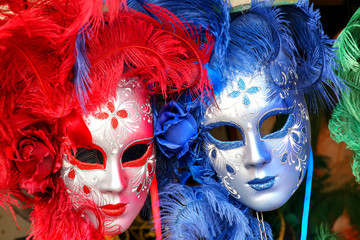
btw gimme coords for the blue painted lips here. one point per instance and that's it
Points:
(261, 184)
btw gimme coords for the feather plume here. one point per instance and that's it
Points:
(260, 39)
(76, 16)
(30, 61)
(81, 80)
(205, 212)
(161, 54)
(196, 40)
(138, 5)
(288, 43)
(348, 50)
(315, 56)
(212, 15)
(345, 122)
(324, 233)
(54, 217)
(345, 126)
(7, 201)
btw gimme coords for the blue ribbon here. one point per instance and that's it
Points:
(306, 209)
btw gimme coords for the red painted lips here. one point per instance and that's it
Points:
(113, 209)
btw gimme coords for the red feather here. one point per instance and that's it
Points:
(162, 54)
(55, 217)
(30, 62)
(79, 15)
(199, 46)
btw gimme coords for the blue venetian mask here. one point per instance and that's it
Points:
(266, 158)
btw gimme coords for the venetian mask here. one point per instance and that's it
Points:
(265, 161)
(116, 174)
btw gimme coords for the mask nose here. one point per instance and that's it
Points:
(259, 155)
(114, 179)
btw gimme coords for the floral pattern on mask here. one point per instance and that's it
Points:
(115, 116)
(220, 159)
(243, 92)
(245, 95)
(121, 117)
(292, 147)
(122, 124)
(142, 179)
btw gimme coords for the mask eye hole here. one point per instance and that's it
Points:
(137, 154)
(272, 126)
(88, 158)
(89, 155)
(226, 133)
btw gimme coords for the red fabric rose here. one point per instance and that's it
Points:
(35, 158)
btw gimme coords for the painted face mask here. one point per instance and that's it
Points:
(116, 174)
(260, 167)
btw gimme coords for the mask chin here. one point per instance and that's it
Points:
(263, 157)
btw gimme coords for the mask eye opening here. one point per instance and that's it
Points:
(275, 124)
(136, 154)
(226, 133)
(86, 158)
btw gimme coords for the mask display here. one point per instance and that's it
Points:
(76, 122)
(116, 174)
(261, 169)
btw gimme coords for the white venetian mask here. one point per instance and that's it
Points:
(260, 168)
(116, 174)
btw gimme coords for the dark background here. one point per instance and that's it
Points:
(335, 14)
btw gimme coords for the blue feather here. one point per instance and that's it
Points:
(259, 39)
(137, 5)
(82, 80)
(205, 212)
(316, 59)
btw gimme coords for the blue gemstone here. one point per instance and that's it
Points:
(295, 137)
(284, 158)
(253, 90)
(213, 154)
(234, 94)
(303, 129)
(246, 100)
(230, 169)
(241, 84)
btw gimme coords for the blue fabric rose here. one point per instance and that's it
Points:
(175, 130)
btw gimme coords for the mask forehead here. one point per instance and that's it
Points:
(245, 95)
(261, 171)
(122, 120)
(120, 187)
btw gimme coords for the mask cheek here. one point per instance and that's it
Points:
(226, 161)
(82, 182)
(227, 164)
(290, 160)
(292, 150)
(140, 177)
